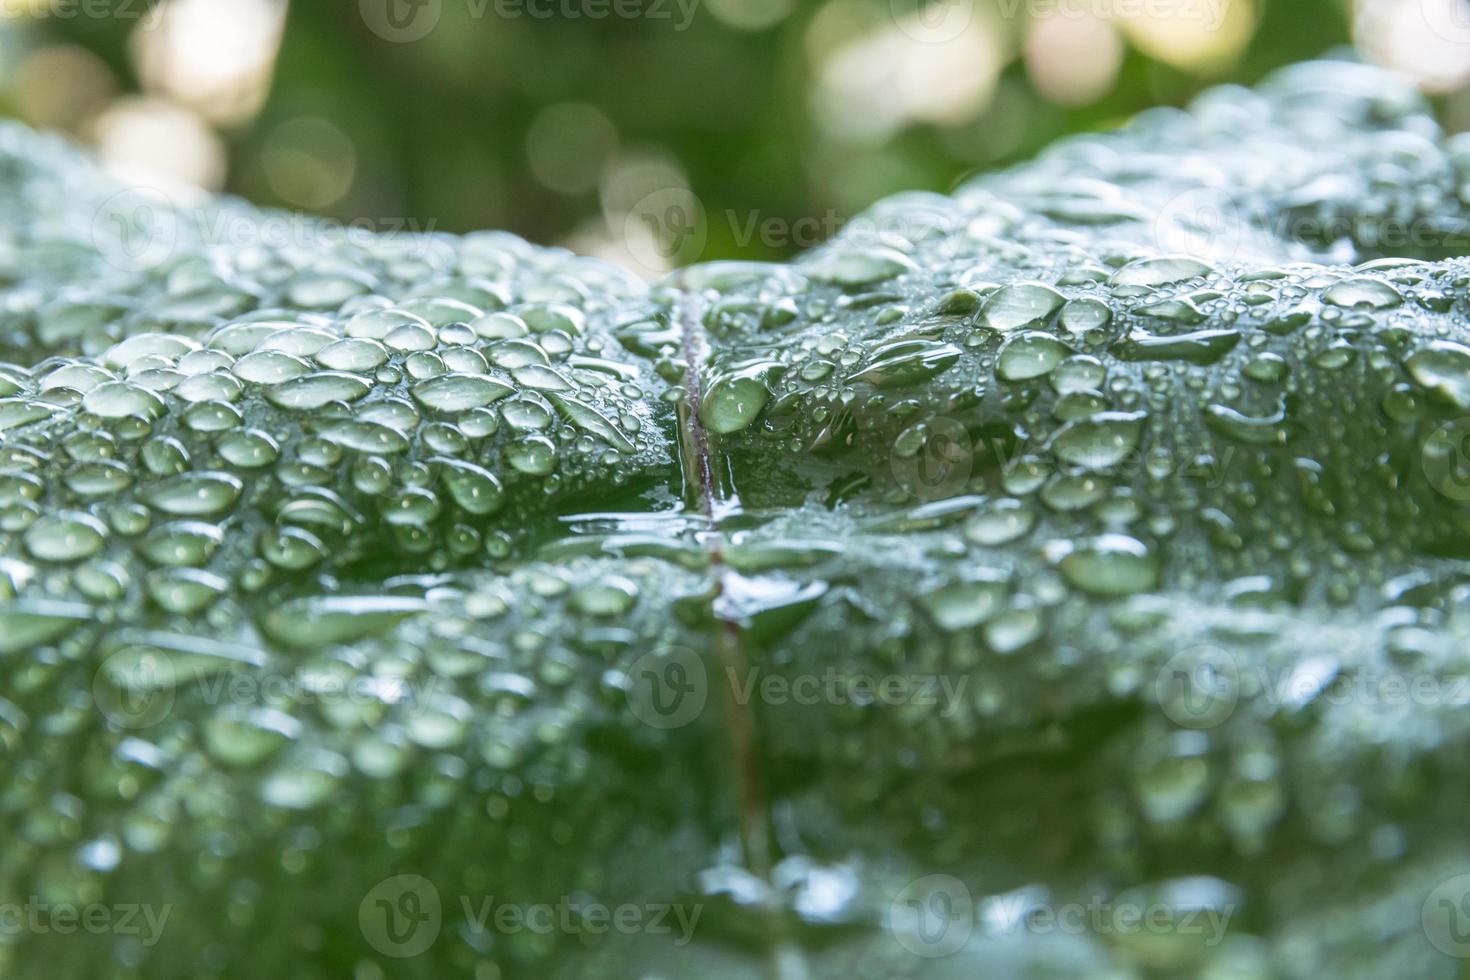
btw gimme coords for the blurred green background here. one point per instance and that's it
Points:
(575, 121)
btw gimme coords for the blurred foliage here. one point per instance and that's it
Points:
(554, 127)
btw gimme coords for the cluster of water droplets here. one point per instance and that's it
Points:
(1120, 512)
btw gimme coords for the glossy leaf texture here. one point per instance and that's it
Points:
(1091, 541)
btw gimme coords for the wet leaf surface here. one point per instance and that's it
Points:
(1089, 544)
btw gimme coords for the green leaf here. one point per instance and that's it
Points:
(1087, 546)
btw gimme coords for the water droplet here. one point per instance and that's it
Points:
(906, 362)
(1000, 522)
(451, 393)
(1100, 441)
(1032, 354)
(65, 537)
(589, 419)
(858, 266)
(731, 403)
(965, 605)
(535, 456)
(613, 596)
(118, 399)
(313, 391)
(474, 488)
(322, 620)
(1019, 305)
(1443, 368)
(194, 494)
(1363, 292)
(1109, 565)
(1201, 347)
(269, 367)
(1162, 271)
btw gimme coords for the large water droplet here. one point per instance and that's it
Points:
(1020, 304)
(1443, 368)
(1110, 565)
